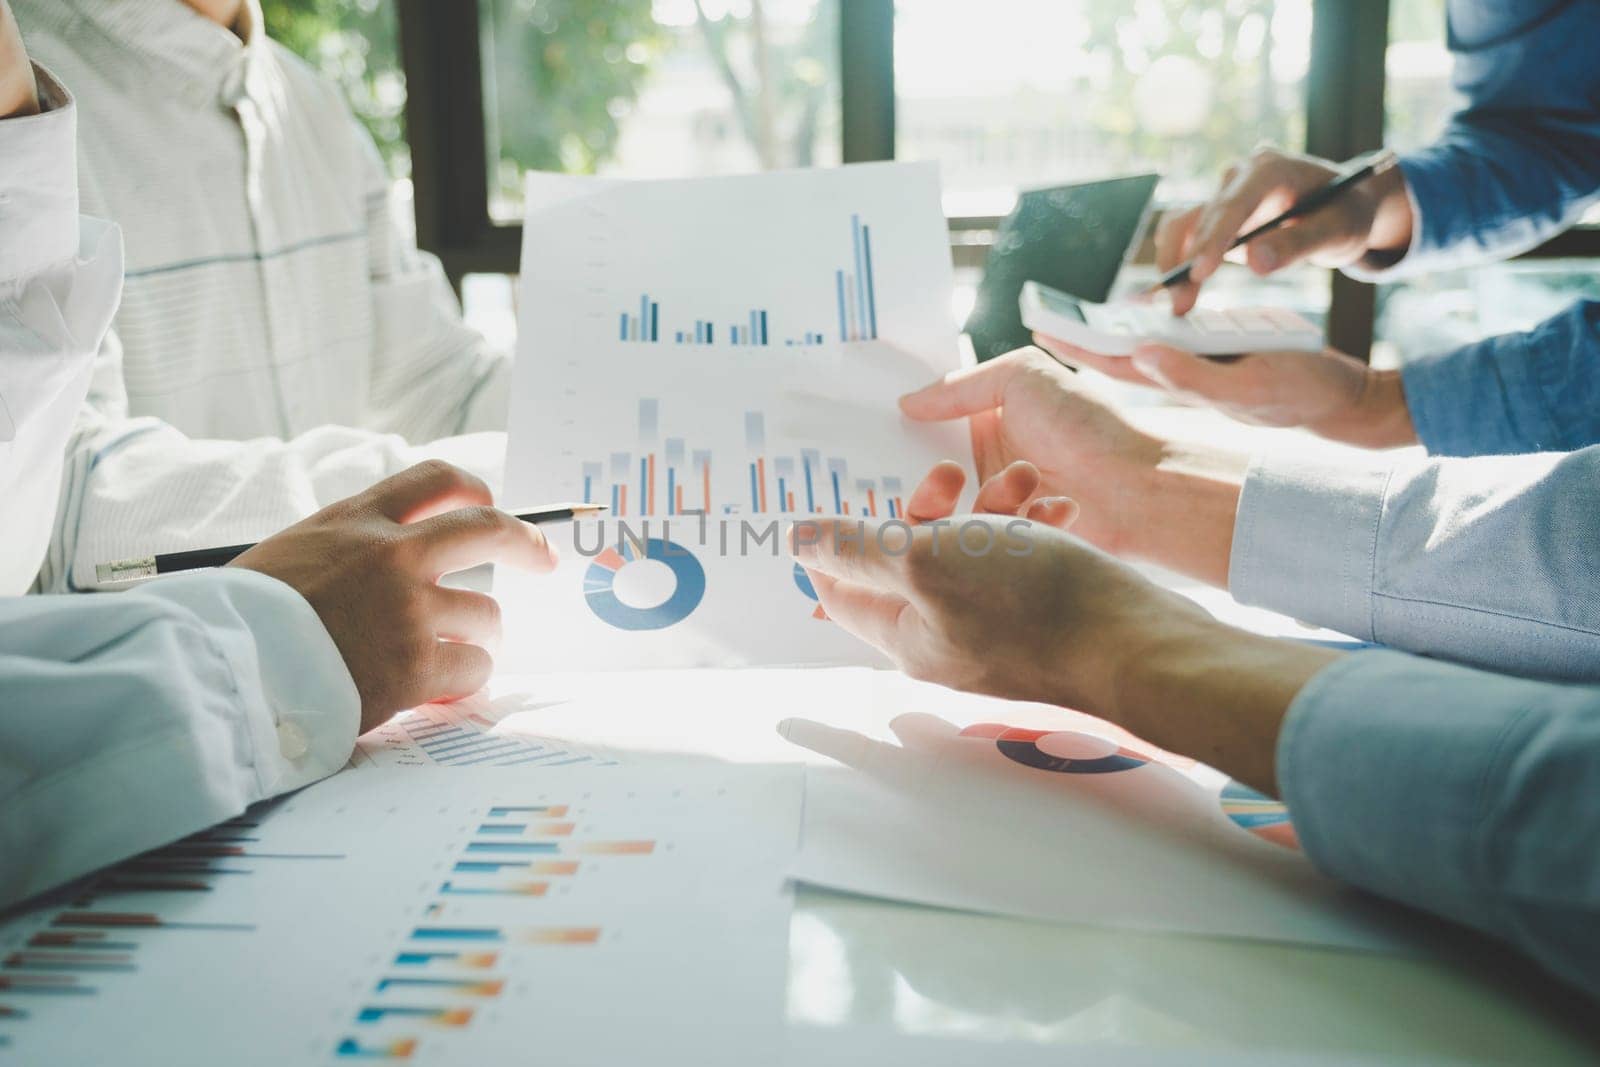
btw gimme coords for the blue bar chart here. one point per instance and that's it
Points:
(456, 735)
(444, 973)
(666, 478)
(853, 288)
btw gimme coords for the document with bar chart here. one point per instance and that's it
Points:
(430, 918)
(712, 360)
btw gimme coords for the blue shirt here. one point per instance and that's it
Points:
(1472, 795)
(1520, 162)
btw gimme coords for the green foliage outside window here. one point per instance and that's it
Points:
(357, 44)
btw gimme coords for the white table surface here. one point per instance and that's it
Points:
(878, 982)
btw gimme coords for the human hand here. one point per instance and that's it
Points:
(19, 95)
(1002, 607)
(1026, 406)
(1372, 217)
(370, 565)
(1328, 393)
(1010, 492)
(1031, 613)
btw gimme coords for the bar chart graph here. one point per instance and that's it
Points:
(730, 353)
(101, 939)
(442, 973)
(458, 735)
(853, 288)
(669, 477)
(403, 916)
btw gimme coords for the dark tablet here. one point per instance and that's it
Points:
(1069, 237)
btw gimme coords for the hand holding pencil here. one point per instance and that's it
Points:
(1283, 209)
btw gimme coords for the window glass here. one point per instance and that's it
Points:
(657, 88)
(1417, 94)
(1015, 93)
(356, 43)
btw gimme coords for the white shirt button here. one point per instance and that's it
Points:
(292, 741)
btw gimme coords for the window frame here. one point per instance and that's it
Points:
(440, 51)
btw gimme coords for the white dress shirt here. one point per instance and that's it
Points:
(281, 342)
(59, 281)
(126, 721)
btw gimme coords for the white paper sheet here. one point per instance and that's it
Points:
(712, 359)
(468, 733)
(1069, 821)
(385, 916)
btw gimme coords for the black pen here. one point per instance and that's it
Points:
(128, 570)
(1358, 171)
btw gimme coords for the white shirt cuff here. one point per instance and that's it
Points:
(300, 705)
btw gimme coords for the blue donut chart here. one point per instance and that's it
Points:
(600, 579)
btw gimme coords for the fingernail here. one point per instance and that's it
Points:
(1267, 258)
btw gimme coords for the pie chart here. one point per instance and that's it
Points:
(1258, 813)
(1060, 751)
(688, 589)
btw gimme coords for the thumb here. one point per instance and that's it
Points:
(964, 392)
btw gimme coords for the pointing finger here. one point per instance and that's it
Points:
(965, 392)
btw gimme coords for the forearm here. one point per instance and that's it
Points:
(1379, 418)
(1536, 391)
(168, 709)
(1179, 512)
(433, 376)
(1219, 695)
(1521, 159)
(1480, 560)
(60, 277)
(1467, 794)
(138, 487)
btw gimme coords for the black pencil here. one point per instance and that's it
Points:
(128, 570)
(1359, 171)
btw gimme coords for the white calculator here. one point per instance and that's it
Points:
(1116, 329)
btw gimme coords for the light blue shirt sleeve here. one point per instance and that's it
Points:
(1487, 560)
(129, 720)
(1463, 793)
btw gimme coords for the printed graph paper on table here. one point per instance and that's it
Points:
(465, 734)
